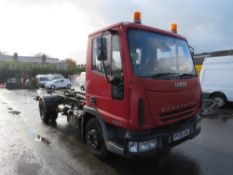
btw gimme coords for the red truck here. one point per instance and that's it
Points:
(142, 92)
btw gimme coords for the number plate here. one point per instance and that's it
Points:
(181, 135)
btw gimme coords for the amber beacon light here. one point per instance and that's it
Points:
(137, 17)
(174, 27)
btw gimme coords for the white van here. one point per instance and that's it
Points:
(42, 80)
(80, 81)
(216, 79)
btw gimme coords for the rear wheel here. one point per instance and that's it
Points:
(94, 139)
(219, 99)
(48, 111)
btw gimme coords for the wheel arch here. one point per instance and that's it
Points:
(107, 134)
(93, 113)
(217, 93)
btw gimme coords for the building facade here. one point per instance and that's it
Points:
(35, 60)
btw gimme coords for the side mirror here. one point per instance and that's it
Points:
(101, 48)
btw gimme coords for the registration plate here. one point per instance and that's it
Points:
(181, 135)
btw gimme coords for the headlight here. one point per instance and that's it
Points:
(147, 145)
(143, 146)
(133, 147)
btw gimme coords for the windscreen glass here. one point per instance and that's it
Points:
(155, 55)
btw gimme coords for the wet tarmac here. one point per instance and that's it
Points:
(28, 147)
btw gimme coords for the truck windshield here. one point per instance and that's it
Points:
(159, 56)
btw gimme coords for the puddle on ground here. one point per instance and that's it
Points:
(14, 112)
(42, 139)
(26, 168)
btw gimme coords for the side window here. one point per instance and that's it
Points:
(116, 69)
(116, 57)
(97, 65)
(113, 64)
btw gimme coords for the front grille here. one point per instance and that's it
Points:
(179, 113)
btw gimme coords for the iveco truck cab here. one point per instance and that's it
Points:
(142, 83)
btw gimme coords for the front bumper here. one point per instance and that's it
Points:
(139, 144)
(166, 138)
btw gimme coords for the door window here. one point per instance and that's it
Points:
(116, 69)
(113, 64)
(116, 57)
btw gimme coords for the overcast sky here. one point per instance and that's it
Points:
(59, 28)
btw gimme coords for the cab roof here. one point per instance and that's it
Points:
(138, 26)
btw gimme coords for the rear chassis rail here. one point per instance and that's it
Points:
(67, 96)
(71, 93)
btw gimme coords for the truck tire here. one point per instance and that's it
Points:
(94, 139)
(219, 99)
(48, 111)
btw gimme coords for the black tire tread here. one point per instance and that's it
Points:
(49, 112)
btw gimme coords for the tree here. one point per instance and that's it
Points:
(71, 63)
(43, 58)
(15, 56)
(40, 54)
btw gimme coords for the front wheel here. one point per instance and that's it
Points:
(68, 86)
(94, 139)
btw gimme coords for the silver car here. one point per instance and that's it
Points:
(58, 83)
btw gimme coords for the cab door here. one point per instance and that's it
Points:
(108, 98)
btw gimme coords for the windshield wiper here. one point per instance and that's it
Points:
(186, 75)
(163, 74)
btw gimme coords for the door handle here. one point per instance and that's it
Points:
(93, 100)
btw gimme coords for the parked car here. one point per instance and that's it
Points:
(215, 79)
(2, 85)
(55, 76)
(82, 81)
(13, 83)
(42, 80)
(58, 83)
